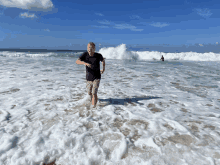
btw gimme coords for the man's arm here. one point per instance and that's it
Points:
(103, 65)
(79, 62)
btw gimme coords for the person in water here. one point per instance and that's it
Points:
(162, 58)
(91, 60)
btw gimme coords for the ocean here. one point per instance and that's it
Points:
(149, 112)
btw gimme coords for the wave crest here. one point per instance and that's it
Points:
(120, 52)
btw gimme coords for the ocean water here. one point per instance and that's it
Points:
(148, 112)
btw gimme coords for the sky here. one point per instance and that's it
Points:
(146, 25)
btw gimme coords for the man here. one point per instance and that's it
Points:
(162, 58)
(93, 76)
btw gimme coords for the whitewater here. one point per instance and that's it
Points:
(149, 112)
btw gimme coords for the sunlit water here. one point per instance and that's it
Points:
(148, 112)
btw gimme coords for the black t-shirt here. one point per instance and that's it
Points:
(93, 72)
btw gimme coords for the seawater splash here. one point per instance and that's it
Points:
(120, 52)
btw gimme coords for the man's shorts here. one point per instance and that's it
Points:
(92, 86)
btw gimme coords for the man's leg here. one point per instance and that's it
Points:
(89, 86)
(90, 97)
(94, 99)
(95, 91)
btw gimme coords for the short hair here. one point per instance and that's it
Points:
(92, 43)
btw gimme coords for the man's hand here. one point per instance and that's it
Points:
(102, 71)
(89, 65)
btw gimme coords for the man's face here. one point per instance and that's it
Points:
(90, 49)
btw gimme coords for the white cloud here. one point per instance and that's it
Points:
(99, 14)
(126, 26)
(158, 24)
(26, 15)
(27, 4)
(135, 17)
(204, 12)
(118, 26)
(47, 30)
(144, 23)
(101, 26)
(105, 22)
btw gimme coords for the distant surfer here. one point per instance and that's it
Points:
(162, 58)
(93, 74)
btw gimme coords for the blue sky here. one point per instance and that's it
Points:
(66, 24)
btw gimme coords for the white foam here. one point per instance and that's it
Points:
(148, 112)
(25, 54)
